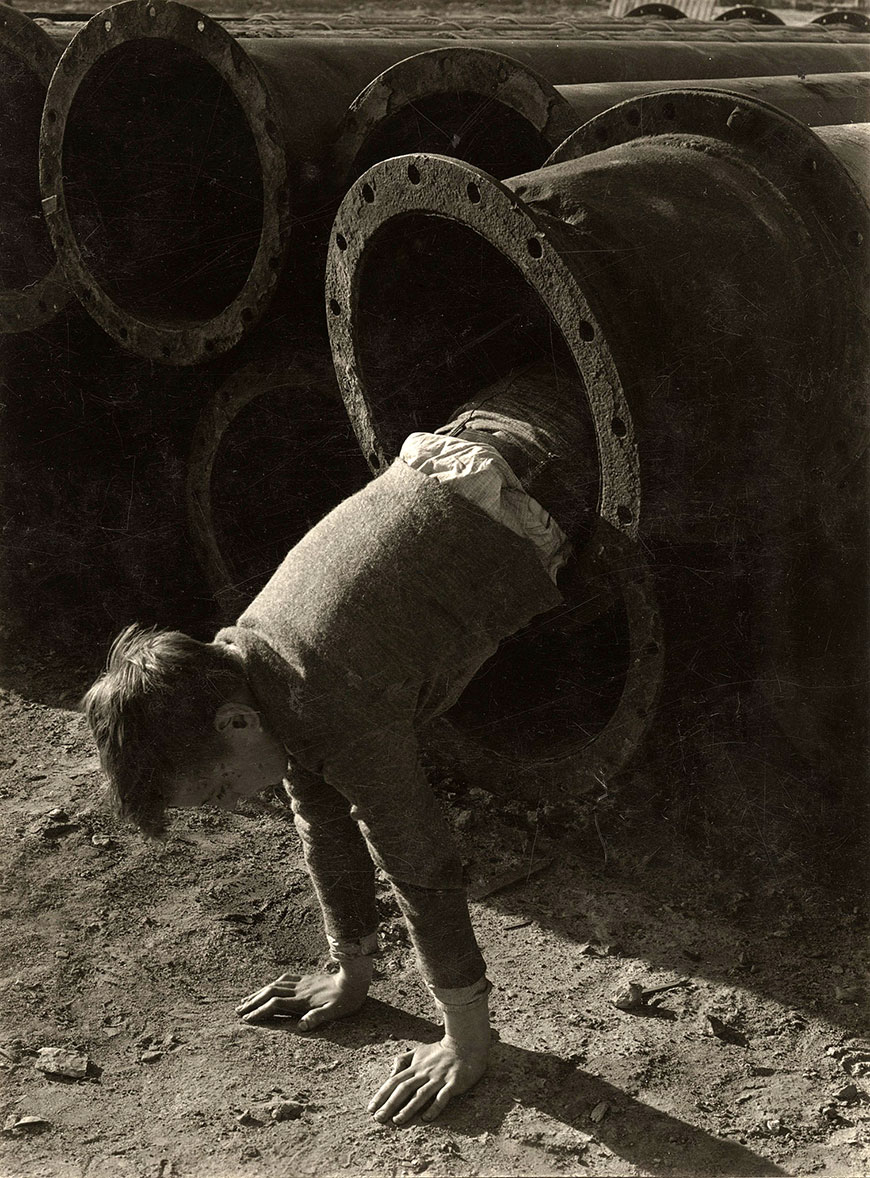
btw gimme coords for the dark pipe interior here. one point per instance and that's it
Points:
(163, 182)
(467, 126)
(25, 249)
(442, 314)
(284, 461)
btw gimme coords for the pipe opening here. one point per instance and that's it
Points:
(441, 315)
(285, 460)
(163, 182)
(467, 126)
(26, 254)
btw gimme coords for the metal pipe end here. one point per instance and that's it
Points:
(375, 218)
(462, 101)
(165, 181)
(32, 285)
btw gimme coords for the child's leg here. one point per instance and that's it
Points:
(539, 422)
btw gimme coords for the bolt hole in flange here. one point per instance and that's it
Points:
(181, 246)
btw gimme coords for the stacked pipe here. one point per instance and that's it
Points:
(698, 259)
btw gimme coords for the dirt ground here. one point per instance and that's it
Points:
(739, 878)
(134, 955)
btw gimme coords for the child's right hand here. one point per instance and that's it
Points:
(318, 997)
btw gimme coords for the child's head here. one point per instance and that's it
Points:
(176, 725)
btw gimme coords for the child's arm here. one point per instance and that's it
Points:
(408, 838)
(342, 873)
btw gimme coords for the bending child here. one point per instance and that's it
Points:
(373, 624)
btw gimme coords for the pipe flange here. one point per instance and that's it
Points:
(753, 13)
(304, 369)
(166, 20)
(849, 18)
(495, 77)
(445, 188)
(786, 151)
(662, 11)
(25, 309)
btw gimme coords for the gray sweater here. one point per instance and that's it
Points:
(373, 624)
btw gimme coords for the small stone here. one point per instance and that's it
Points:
(599, 1112)
(248, 1118)
(848, 1094)
(58, 815)
(150, 1056)
(62, 954)
(101, 840)
(57, 1061)
(286, 1110)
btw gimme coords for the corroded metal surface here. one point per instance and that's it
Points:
(32, 287)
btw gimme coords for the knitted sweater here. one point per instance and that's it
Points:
(374, 623)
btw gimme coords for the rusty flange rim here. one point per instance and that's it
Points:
(451, 189)
(494, 76)
(25, 309)
(664, 11)
(754, 13)
(167, 20)
(603, 756)
(434, 185)
(851, 18)
(292, 365)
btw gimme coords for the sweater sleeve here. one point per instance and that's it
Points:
(336, 856)
(408, 838)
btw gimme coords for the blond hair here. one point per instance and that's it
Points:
(151, 713)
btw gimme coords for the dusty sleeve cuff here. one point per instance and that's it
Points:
(340, 950)
(461, 996)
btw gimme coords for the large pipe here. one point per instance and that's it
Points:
(819, 100)
(178, 262)
(700, 258)
(32, 287)
(414, 106)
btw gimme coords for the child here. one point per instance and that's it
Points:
(373, 624)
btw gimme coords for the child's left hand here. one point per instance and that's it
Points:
(317, 998)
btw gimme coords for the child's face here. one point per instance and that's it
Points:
(250, 759)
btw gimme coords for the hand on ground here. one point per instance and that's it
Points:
(318, 998)
(426, 1079)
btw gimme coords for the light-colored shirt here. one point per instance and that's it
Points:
(481, 475)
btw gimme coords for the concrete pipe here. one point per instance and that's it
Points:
(699, 259)
(32, 287)
(178, 263)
